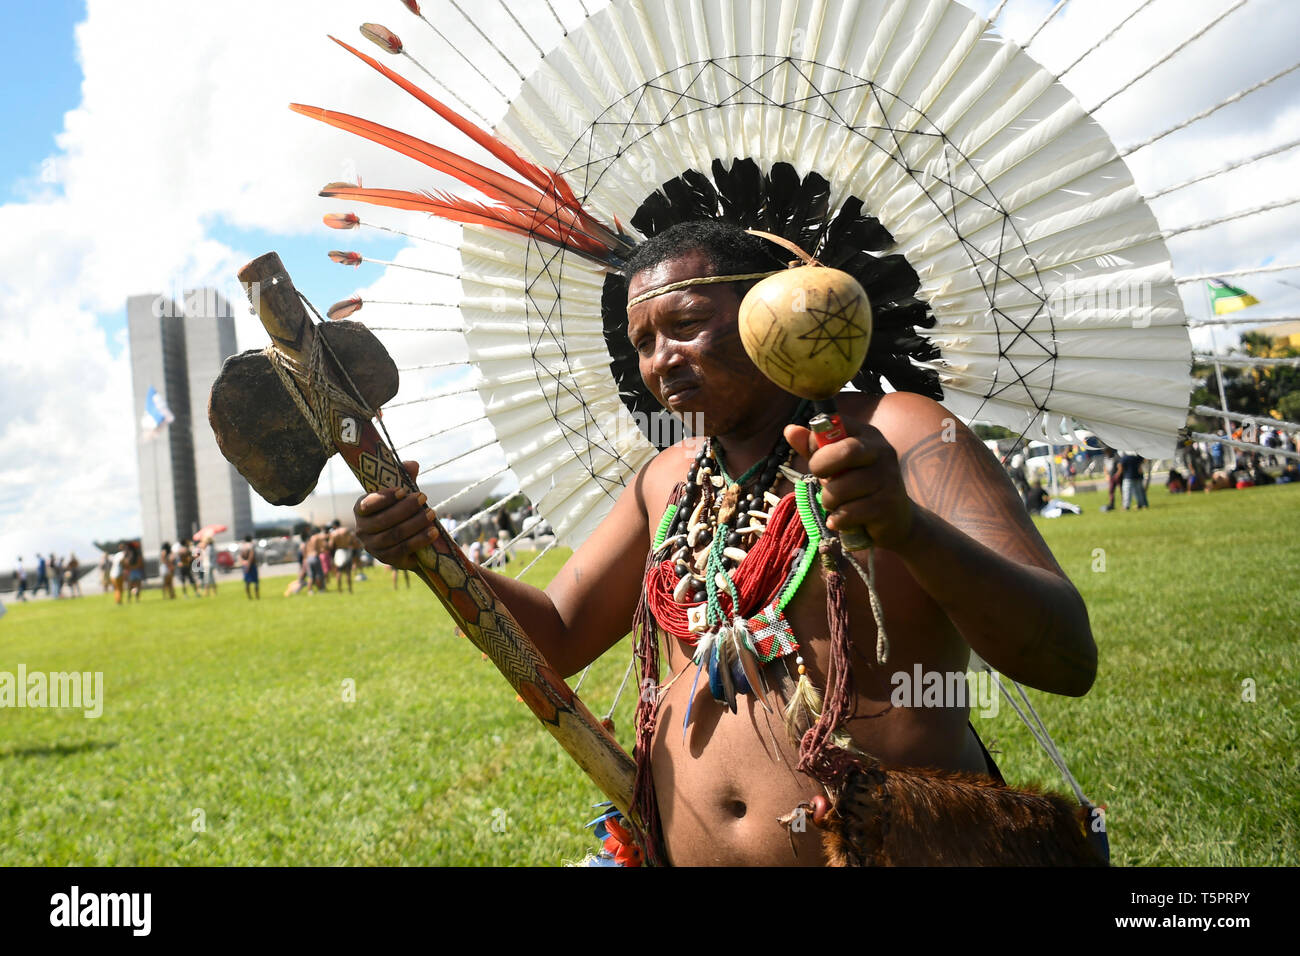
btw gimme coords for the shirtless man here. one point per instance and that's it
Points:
(311, 552)
(248, 561)
(959, 566)
(341, 542)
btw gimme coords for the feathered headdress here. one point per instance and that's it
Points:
(987, 215)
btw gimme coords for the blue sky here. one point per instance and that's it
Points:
(40, 81)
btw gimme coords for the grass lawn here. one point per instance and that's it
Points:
(227, 738)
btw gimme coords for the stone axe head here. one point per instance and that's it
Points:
(259, 427)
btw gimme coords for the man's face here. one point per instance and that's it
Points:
(688, 345)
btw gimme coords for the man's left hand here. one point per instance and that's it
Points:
(862, 485)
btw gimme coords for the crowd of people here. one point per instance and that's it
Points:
(196, 567)
(1216, 466)
(1197, 466)
(54, 575)
(326, 551)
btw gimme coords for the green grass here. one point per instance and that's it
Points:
(1198, 593)
(237, 710)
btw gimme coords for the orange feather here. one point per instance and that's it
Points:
(487, 181)
(539, 177)
(524, 222)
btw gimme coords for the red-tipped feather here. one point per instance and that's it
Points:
(525, 222)
(492, 184)
(346, 258)
(489, 182)
(342, 220)
(382, 37)
(541, 178)
(341, 310)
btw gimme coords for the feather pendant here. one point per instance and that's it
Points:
(736, 660)
(715, 678)
(724, 649)
(690, 701)
(702, 650)
(749, 664)
(803, 710)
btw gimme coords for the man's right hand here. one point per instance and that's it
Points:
(393, 523)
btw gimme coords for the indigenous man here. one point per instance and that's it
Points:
(341, 542)
(959, 566)
(311, 552)
(248, 561)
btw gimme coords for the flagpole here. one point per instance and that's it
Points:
(157, 492)
(1218, 375)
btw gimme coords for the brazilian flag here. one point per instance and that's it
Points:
(1228, 298)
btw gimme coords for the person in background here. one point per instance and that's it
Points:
(343, 542)
(1112, 479)
(185, 568)
(117, 572)
(42, 576)
(209, 551)
(248, 561)
(505, 532)
(311, 551)
(72, 575)
(1258, 474)
(1132, 486)
(1035, 497)
(56, 575)
(135, 570)
(167, 568)
(21, 576)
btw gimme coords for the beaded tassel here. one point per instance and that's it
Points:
(805, 705)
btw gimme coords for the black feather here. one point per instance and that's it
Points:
(799, 210)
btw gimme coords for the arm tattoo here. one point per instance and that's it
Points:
(962, 483)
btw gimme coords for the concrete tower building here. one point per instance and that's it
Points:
(185, 483)
(223, 494)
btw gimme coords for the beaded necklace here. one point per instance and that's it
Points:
(733, 614)
(755, 548)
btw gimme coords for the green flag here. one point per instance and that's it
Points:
(1228, 298)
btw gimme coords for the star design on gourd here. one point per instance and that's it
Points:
(835, 326)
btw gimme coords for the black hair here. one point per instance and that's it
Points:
(730, 250)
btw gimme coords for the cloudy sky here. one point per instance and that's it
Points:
(148, 149)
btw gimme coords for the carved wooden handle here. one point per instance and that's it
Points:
(458, 584)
